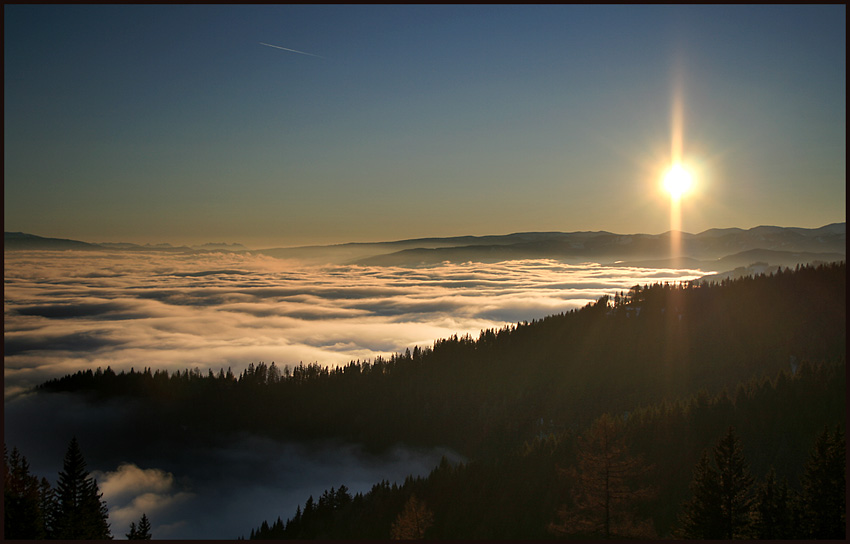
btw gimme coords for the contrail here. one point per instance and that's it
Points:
(292, 50)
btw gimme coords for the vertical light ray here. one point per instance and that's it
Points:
(676, 123)
(675, 231)
(676, 143)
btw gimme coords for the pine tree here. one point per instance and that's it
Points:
(701, 518)
(722, 495)
(47, 504)
(23, 518)
(80, 512)
(825, 487)
(735, 486)
(773, 510)
(607, 487)
(143, 531)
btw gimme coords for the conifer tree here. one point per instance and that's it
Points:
(702, 514)
(47, 504)
(773, 514)
(735, 486)
(144, 528)
(142, 532)
(722, 495)
(80, 512)
(23, 517)
(825, 487)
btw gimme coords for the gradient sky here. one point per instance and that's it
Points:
(157, 123)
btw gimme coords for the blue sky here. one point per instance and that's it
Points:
(157, 123)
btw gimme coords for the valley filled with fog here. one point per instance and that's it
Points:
(74, 310)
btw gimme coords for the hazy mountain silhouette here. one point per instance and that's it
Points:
(221, 245)
(713, 249)
(792, 245)
(355, 252)
(742, 259)
(18, 241)
(21, 240)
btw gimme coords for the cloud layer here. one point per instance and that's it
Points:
(131, 491)
(66, 311)
(191, 491)
(69, 311)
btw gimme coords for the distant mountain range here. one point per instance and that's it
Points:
(705, 248)
(24, 241)
(714, 249)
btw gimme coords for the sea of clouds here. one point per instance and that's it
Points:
(72, 310)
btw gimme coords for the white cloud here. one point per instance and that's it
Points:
(131, 480)
(66, 311)
(130, 491)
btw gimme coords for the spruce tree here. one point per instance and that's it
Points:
(773, 510)
(735, 486)
(825, 488)
(722, 495)
(23, 518)
(47, 504)
(80, 512)
(144, 528)
(143, 531)
(701, 518)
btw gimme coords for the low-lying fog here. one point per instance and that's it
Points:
(191, 492)
(69, 311)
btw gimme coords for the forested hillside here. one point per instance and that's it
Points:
(484, 397)
(751, 369)
(656, 448)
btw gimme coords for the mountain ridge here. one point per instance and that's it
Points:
(602, 247)
(784, 246)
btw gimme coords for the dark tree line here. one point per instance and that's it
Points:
(485, 396)
(728, 504)
(73, 510)
(27, 501)
(633, 476)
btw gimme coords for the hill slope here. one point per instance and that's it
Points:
(678, 364)
(485, 396)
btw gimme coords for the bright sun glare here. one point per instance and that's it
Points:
(677, 181)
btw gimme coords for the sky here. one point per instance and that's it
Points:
(159, 123)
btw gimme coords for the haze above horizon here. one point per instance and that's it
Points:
(159, 123)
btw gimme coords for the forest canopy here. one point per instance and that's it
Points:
(673, 366)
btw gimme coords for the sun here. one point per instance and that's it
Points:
(677, 181)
